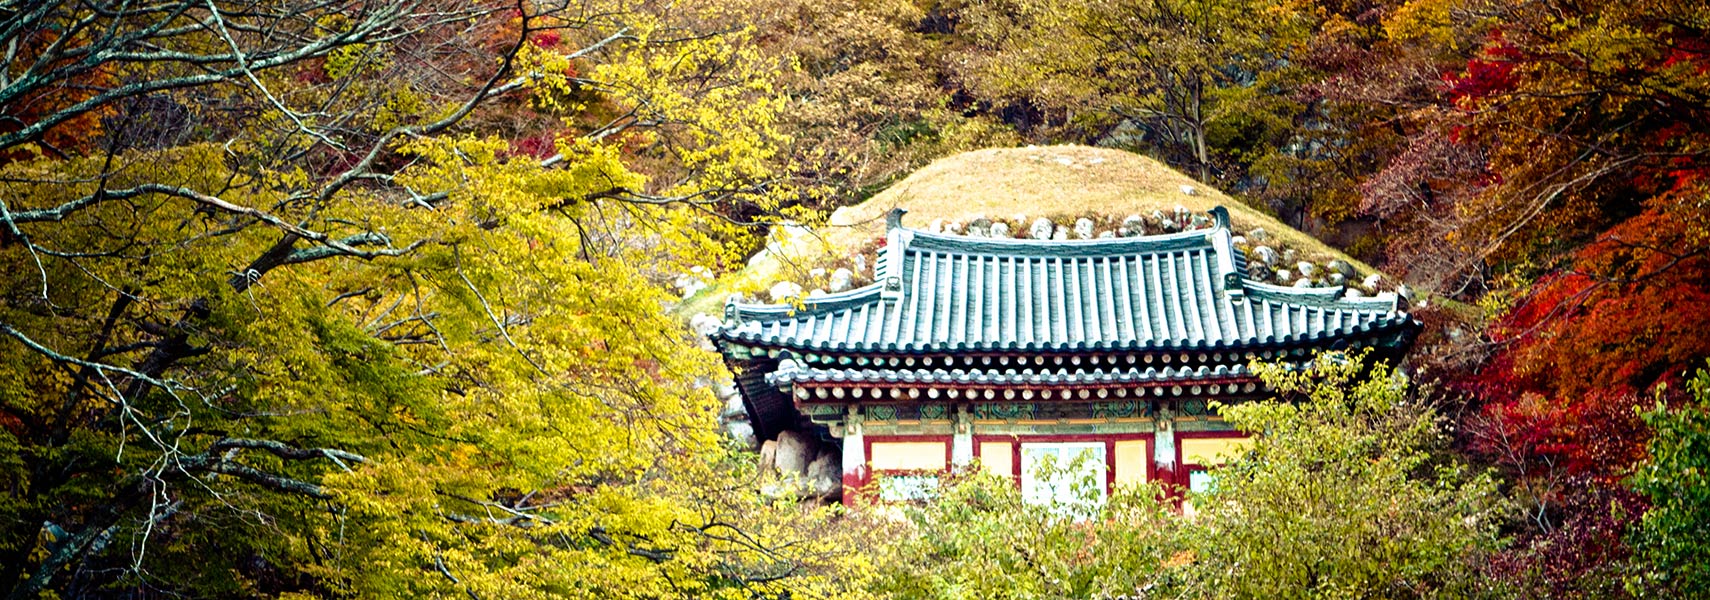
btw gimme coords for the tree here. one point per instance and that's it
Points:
(874, 96)
(307, 298)
(1669, 542)
(1554, 173)
(1345, 492)
(1187, 79)
(978, 540)
(1575, 116)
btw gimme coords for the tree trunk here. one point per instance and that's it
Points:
(1197, 118)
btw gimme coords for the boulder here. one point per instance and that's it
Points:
(1239, 240)
(705, 324)
(1084, 228)
(768, 457)
(860, 261)
(1105, 235)
(1040, 229)
(795, 451)
(1062, 233)
(825, 476)
(694, 287)
(733, 409)
(1306, 269)
(816, 272)
(840, 280)
(1338, 279)
(1190, 190)
(1353, 293)
(1343, 267)
(683, 282)
(1265, 255)
(1303, 283)
(953, 228)
(977, 226)
(1199, 221)
(936, 226)
(1133, 226)
(1259, 235)
(725, 390)
(742, 432)
(783, 290)
(1371, 282)
(1284, 276)
(999, 229)
(1289, 256)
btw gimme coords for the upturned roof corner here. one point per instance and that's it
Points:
(893, 219)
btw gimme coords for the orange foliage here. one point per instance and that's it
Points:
(1590, 343)
(1630, 311)
(72, 136)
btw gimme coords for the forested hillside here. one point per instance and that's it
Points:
(375, 298)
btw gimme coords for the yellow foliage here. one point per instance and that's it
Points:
(475, 336)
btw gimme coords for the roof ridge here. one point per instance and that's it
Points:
(735, 310)
(1321, 297)
(972, 245)
(1192, 239)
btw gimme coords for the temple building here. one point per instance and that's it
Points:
(1010, 351)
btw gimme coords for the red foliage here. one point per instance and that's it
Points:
(11, 423)
(1489, 74)
(536, 146)
(1598, 435)
(1629, 312)
(1593, 342)
(1689, 51)
(313, 71)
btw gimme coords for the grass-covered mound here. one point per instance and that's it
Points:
(1015, 186)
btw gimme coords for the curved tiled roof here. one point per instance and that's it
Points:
(1149, 375)
(947, 293)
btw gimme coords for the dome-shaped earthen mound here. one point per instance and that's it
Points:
(1057, 182)
(1082, 191)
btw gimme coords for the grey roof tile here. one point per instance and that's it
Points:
(1008, 378)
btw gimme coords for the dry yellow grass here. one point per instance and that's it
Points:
(1051, 181)
(1043, 181)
